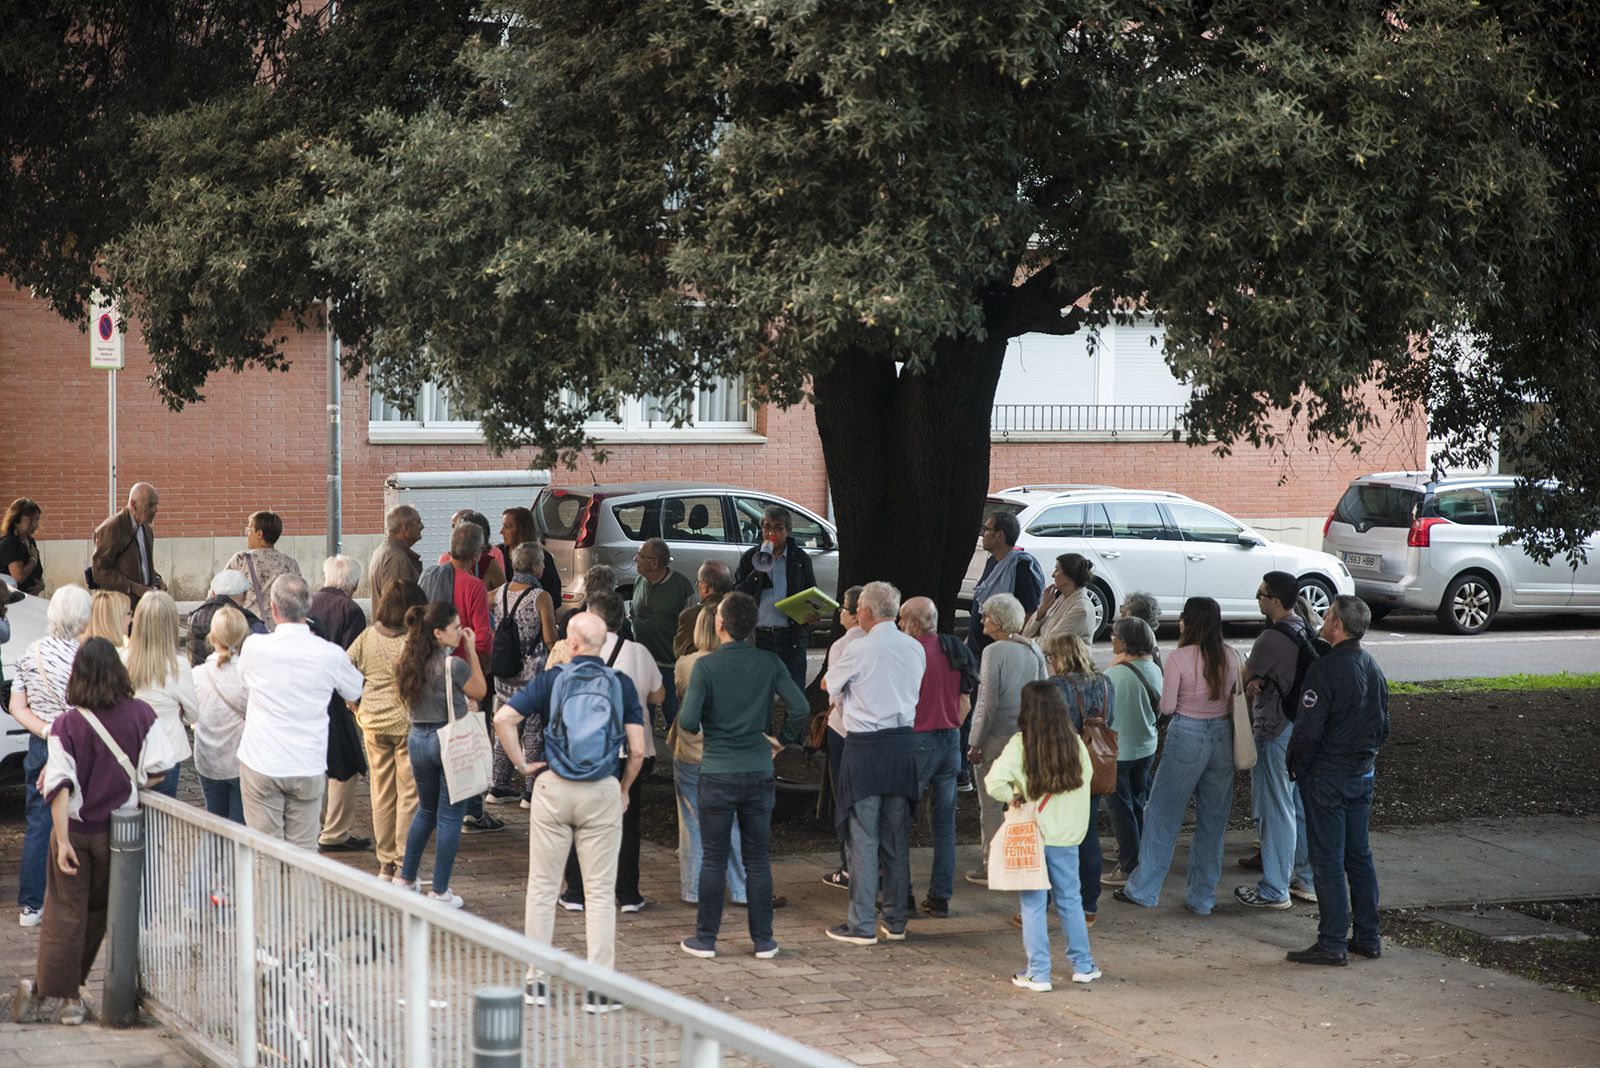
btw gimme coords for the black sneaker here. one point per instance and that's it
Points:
(1369, 952)
(964, 783)
(839, 880)
(937, 907)
(597, 1003)
(1316, 955)
(481, 824)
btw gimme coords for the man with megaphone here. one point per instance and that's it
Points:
(771, 571)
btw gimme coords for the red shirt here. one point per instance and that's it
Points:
(472, 605)
(939, 704)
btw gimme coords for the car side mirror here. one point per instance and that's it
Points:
(1249, 540)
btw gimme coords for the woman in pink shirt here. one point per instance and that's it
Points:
(1197, 761)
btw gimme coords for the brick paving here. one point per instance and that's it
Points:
(1178, 989)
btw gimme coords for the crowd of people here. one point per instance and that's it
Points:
(287, 696)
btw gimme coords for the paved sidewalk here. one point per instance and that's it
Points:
(1178, 989)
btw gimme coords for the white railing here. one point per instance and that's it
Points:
(261, 953)
(1007, 419)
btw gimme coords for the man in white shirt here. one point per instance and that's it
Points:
(283, 754)
(877, 682)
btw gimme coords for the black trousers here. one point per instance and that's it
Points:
(627, 853)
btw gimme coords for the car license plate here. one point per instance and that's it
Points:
(1366, 560)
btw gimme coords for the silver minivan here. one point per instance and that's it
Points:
(1415, 542)
(588, 525)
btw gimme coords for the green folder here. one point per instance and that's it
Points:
(808, 606)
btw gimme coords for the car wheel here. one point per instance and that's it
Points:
(1468, 606)
(1318, 594)
(1101, 607)
(1379, 610)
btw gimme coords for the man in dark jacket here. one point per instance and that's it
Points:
(336, 617)
(791, 573)
(1343, 720)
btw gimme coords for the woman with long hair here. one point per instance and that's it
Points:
(1197, 690)
(435, 687)
(161, 675)
(1046, 762)
(85, 781)
(517, 526)
(110, 613)
(220, 725)
(385, 723)
(19, 552)
(1087, 693)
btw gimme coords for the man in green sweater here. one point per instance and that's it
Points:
(659, 596)
(729, 700)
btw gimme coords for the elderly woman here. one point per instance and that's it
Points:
(261, 563)
(339, 619)
(227, 590)
(1141, 605)
(1065, 608)
(1136, 680)
(1010, 661)
(38, 699)
(524, 600)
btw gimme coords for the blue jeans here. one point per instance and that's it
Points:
(169, 782)
(880, 838)
(938, 756)
(1337, 810)
(1126, 807)
(36, 839)
(746, 797)
(1284, 855)
(434, 811)
(669, 703)
(686, 783)
(1089, 861)
(1197, 762)
(1062, 864)
(223, 798)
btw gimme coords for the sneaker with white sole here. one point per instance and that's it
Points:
(888, 934)
(696, 946)
(978, 877)
(839, 880)
(481, 824)
(535, 993)
(597, 1003)
(633, 906)
(766, 950)
(1086, 977)
(1250, 897)
(1114, 877)
(569, 905)
(840, 932)
(30, 917)
(1028, 982)
(492, 798)
(1301, 892)
(446, 899)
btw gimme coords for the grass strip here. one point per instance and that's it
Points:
(1564, 680)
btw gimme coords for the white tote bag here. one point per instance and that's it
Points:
(464, 749)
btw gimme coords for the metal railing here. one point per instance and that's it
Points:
(1085, 418)
(262, 953)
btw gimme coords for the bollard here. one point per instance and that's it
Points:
(497, 1028)
(121, 998)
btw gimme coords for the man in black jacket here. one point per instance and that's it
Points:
(791, 573)
(1343, 720)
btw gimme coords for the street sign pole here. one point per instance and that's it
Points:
(111, 438)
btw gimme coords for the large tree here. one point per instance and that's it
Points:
(1322, 202)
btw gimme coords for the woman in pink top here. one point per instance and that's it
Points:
(1197, 761)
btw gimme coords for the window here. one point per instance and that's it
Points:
(1063, 521)
(639, 520)
(433, 408)
(806, 531)
(1468, 506)
(1136, 519)
(1202, 524)
(693, 519)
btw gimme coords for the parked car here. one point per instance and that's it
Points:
(1165, 544)
(1435, 545)
(588, 525)
(27, 619)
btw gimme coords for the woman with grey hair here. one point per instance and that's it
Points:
(1010, 661)
(525, 601)
(38, 696)
(1141, 605)
(1137, 682)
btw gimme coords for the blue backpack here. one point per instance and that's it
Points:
(584, 736)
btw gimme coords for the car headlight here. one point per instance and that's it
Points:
(1345, 571)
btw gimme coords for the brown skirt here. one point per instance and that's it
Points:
(75, 909)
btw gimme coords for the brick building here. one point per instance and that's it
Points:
(1068, 410)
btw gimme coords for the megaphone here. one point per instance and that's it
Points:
(765, 557)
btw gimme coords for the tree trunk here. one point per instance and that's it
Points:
(908, 462)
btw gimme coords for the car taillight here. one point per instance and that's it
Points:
(1328, 523)
(589, 523)
(1420, 538)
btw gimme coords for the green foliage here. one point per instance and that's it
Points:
(1561, 680)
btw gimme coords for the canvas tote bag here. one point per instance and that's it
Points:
(1016, 854)
(464, 749)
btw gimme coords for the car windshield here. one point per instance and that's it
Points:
(1366, 505)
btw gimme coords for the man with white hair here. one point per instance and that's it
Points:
(227, 591)
(283, 754)
(877, 682)
(38, 696)
(394, 559)
(337, 617)
(580, 790)
(125, 546)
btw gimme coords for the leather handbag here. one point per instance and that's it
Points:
(1244, 738)
(1101, 741)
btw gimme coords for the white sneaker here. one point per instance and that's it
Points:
(1086, 977)
(1301, 892)
(29, 917)
(447, 899)
(1028, 982)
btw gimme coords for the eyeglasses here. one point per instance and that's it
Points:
(1262, 593)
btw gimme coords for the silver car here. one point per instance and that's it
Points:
(1434, 545)
(588, 525)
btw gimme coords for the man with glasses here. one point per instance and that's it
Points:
(1270, 674)
(791, 573)
(1009, 569)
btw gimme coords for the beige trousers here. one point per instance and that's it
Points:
(394, 795)
(287, 807)
(339, 810)
(587, 815)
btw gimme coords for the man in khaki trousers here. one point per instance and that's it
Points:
(566, 813)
